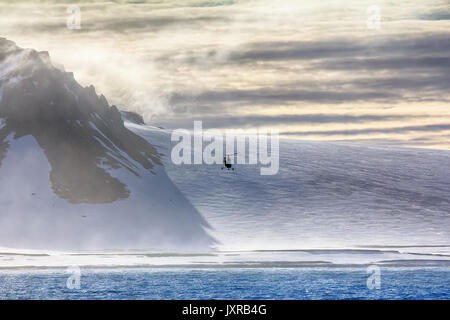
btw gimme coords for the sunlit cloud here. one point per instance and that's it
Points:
(312, 69)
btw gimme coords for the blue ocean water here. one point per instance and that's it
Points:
(295, 283)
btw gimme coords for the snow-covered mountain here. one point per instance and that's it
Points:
(72, 176)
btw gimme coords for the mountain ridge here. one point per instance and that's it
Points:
(36, 94)
(72, 176)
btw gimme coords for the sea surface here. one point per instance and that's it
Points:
(239, 283)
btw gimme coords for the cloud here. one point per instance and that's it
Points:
(393, 63)
(228, 62)
(270, 96)
(427, 128)
(254, 121)
(357, 47)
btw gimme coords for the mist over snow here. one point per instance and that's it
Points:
(72, 177)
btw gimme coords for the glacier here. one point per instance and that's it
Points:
(326, 195)
(86, 184)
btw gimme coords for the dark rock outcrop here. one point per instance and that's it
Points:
(80, 133)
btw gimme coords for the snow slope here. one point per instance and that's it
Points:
(72, 177)
(326, 195)
(330, 205)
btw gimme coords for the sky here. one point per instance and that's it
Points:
(372, 72)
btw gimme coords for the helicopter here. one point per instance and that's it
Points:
(227, 161)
